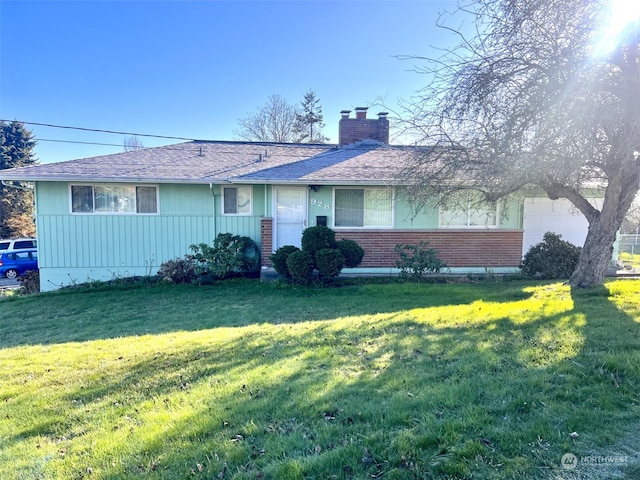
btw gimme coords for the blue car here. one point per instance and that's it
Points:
(17, 262)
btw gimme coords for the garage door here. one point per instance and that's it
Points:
(543, 215)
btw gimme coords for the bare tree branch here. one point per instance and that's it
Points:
(532, 100)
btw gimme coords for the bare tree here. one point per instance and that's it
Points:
(545, 95)
(132, 143)
(273, 122)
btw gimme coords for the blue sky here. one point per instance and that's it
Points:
(192, 68)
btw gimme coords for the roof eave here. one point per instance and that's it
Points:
(85, 179)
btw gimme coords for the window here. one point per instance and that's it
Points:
(113, 198)
(236, 200)
(363, 207)
(468, 212)
(24, 244)
(20, 256)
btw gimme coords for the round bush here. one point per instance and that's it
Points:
(279, 259)
(229, 255)
(351, 251)
(300, 265)
(329, 262)
(178, 270)
(317, 238)
(552, 258)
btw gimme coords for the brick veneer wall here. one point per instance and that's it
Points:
(458, 248)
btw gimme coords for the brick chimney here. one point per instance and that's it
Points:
(361, 128)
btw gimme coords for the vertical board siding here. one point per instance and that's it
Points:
(120, 241)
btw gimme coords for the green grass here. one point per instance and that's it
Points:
(248, 380)
(630, 260)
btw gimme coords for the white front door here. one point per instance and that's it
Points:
(290, 215)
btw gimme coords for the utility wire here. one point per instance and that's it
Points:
(82, 143)
(99, 130)
(134, 134)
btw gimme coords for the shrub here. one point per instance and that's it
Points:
(300, 266)
(318, 238)
(229, 254)
(416, 260)
(329, 262)
(551, 258)
(351, 251)
(334, 257)
(178, 270)
(279, 259)
(29, 282)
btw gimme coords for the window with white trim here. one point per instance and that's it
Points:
(236, 200)
(363, 207)
(108, 198)
(468, 212)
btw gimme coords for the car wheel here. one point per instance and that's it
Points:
(11, 273)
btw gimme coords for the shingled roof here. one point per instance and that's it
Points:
(189, 162)
(235, 162)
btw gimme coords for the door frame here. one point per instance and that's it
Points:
(274, 209)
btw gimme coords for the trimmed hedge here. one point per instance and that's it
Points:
(300, 265)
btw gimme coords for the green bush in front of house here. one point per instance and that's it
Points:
(327, 256)
(351, 251)
(279, 259)
(300, 266)
(414, 261)
(229, 254)
(329, 262)
(318, 238)
(552, 258)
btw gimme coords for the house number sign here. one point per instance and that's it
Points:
(320, 204)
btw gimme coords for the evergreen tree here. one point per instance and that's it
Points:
(17, 205)
(309, 121)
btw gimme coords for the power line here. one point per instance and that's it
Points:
(140, 135)
(100, 130)
(82, 143)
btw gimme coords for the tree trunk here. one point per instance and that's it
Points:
(595, 257)
(603, 228)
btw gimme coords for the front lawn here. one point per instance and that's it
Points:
(248, 380)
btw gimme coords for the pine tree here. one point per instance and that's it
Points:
(309, 122)
(17, 205)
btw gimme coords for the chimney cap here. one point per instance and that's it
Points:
(345, 113)
(382, 115)
(360, 109)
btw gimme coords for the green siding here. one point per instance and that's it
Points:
(321, 203)
(52, 198)
(181, 199)
(76, 248)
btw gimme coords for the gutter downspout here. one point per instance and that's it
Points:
(213, 206)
